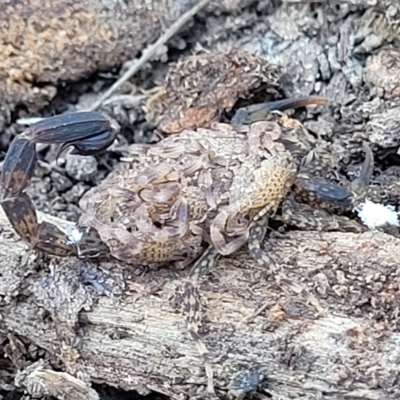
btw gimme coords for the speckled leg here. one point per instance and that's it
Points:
(257, 235)
(291, 214)
(307, 218)
(193, 310)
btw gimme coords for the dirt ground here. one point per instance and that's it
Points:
(345, 50)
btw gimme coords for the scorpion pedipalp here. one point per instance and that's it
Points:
(18, 167)
(334, 196)
(259, 112)
(88, 133)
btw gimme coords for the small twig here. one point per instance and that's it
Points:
(150, 51)
(133, 100)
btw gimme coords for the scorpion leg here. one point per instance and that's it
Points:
(88, 133)
(201, 268)
(303, 216)
(359, 187)
(257, 234)
(193, 310)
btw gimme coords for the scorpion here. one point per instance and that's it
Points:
(216, 186)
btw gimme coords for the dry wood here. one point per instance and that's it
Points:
(149, 52)
(127, 328)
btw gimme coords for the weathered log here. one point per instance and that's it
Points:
(47, 43)
(126, 327)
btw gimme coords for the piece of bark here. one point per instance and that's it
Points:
(202, 86)
(47, 43)
(382, 74)
(44, 43)
(131, 334)
(39, 380)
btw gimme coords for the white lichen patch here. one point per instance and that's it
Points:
(377, 215)
(76, 236)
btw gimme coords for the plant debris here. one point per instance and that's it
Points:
(201, 87)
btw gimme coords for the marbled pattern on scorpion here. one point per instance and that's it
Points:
(215, 186)
(205, 185)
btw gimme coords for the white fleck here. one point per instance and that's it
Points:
(76, 236)
(29, 121)
(375, 215)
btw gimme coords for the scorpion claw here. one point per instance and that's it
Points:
(88, 133)
(88, 242)
(90, 146)
(75, 128)
(321, 192)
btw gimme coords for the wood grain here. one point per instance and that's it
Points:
(105, 322)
